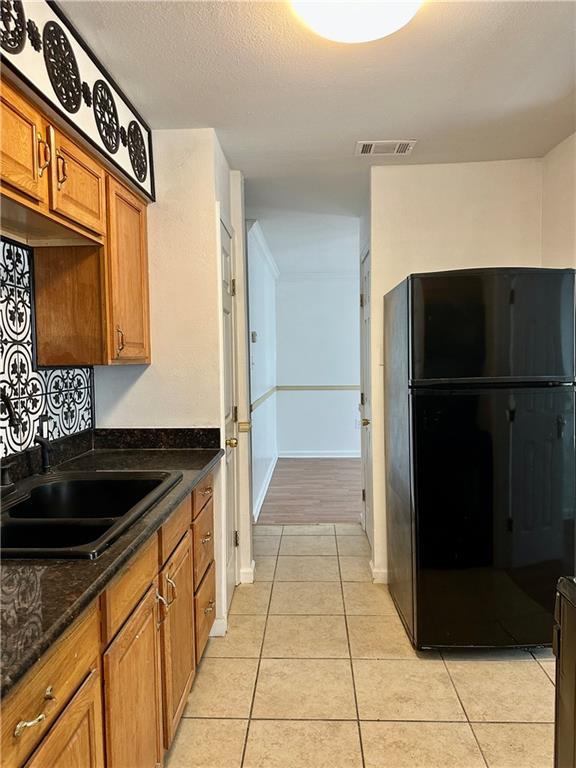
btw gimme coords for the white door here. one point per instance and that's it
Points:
(230, 425)
(365, 397)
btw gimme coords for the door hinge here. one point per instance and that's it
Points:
(363, 494)
(235, 413)
(236, 539)
(233, 287)
(361, 299)
(362, 401)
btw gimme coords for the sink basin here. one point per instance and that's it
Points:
(77, 514)
(84, 498)
(46, 536)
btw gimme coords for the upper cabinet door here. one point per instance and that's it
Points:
(24, 153)
(128, 276)
(76, 184)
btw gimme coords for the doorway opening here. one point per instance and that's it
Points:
(307, 379)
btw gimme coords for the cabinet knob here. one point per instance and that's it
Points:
(232, 442)
(365, 422)
(207, 538)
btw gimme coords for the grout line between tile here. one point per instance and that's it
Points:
(367, 720)
(464, 710)
(260, 657)
(351, 664)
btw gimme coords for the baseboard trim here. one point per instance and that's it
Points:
(260, 500)
(379, 575)
(319, 455)
(247, 574)
(219, 628)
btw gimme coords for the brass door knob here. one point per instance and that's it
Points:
(365, 422)
(232, 442)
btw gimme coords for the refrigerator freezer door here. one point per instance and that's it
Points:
(499, 326)
(495, 512)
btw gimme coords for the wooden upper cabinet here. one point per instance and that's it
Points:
(77, 184)
(133, 692)
(177, 629)
(77, 738)
(127, 258)
(24, 152)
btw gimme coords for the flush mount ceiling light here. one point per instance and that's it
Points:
(345, 21)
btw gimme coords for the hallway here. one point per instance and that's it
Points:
(317, 672)
(314, 491)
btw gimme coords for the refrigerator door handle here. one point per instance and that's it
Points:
(560, 424)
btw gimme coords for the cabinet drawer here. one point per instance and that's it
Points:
(203, 492)
(121, 597)
(203, 536)
(77, 739)
(57, 676)
(205, 610)
(174, 528)
(77, 184)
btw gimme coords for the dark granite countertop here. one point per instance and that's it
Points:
(41, 598)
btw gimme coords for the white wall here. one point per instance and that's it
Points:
(183, 385)
(318, 346)
(559, 205)
(262, 282)
(433, 217)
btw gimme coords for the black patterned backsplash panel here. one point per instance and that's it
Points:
(64, 396)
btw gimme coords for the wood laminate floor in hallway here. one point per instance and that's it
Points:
(316, 671)
(314, 491)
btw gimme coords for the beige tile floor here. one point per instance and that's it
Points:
(316, 671)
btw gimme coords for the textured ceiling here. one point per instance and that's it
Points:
(469, 80)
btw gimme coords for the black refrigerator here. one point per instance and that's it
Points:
(480, 453)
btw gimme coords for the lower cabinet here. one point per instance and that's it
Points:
(205, 609)
(133, 692)
(177, 631)
(110, 693)
(75, 741)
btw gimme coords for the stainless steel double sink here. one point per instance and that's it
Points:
(77, 514)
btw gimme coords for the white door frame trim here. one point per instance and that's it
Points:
(244, 450)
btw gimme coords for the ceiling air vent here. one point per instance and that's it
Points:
(384, 148)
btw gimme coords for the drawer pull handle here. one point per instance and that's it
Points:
(210, 607)
(121, 343)
(161, 599)
(207, 538)
(23, 724)
(174, 591)
(61, 165)
(207, 491)
(47, 156)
